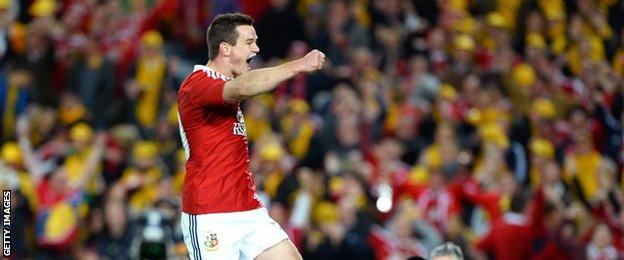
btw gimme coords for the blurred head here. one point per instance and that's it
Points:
(508, 183)
(355, 187)
(544, 108)
(81, 135)
(345, 102)
(115, 214)
(437, 181)
(347, 132)
(523, 75)
(271, 152)
(325, 212)
(575, 27)
(464, 46)
(71, 109)
(602, 236)
(298, 106)
(88, 253)
(279, 4)
(96, 220)
(493, 133)
(535, 45)
(5, 5)
(151, 41)
(389, 149)
(607, 170)
(446, 251)
(347, 209)
(43, 8)
(534, 22)
(11, 153)
(361, 58)
(92, 47)
(409, 119)
(496, 20)
(37, 38)
(338, 11)
(144, 154)
(298, 49)
(419, 64)
(44, 118)
(232, 38)
(578, 119)
(470, 88)
(444, 133)
(436, 38)
(582, 144)
(552, 172)
(542, 149)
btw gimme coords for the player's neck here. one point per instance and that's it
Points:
(220, 67)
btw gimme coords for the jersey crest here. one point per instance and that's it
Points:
(239, 126)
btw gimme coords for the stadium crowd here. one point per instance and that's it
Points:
(493, 124)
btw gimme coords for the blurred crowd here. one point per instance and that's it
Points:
(496, 125)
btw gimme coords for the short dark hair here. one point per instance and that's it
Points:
(223, 29)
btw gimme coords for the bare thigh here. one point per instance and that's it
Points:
(284, 250)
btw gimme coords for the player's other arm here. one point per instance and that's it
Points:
(256, 82)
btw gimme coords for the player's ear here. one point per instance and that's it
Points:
(225, 48)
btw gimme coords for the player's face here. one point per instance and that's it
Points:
(245, 49)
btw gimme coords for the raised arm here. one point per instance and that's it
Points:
(256, 82)
(93, 161)
(33, 165)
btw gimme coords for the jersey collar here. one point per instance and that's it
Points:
(210, 72)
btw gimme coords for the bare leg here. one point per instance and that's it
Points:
(284, 250)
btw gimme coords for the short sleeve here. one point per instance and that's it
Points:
(208, 93)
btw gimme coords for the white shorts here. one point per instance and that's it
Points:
(235, 235)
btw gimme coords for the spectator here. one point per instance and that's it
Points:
(145, 89)
(512, 235)
(92, 79)
(118, 237)
(59, 199)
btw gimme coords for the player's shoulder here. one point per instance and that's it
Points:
(194, 82)
(202, 75)
(210, 73)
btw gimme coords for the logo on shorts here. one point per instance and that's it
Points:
(211, 243)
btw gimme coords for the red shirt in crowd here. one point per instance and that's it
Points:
(50, 200)
(512, 235)
(213, 134)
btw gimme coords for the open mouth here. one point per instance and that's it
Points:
(250, 58)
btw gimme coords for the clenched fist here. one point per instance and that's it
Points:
(312, 61)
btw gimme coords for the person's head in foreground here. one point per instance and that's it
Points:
(232, 42)
(447, 251)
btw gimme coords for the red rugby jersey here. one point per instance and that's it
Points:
(215, 139)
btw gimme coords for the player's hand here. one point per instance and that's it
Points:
(311, 62)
